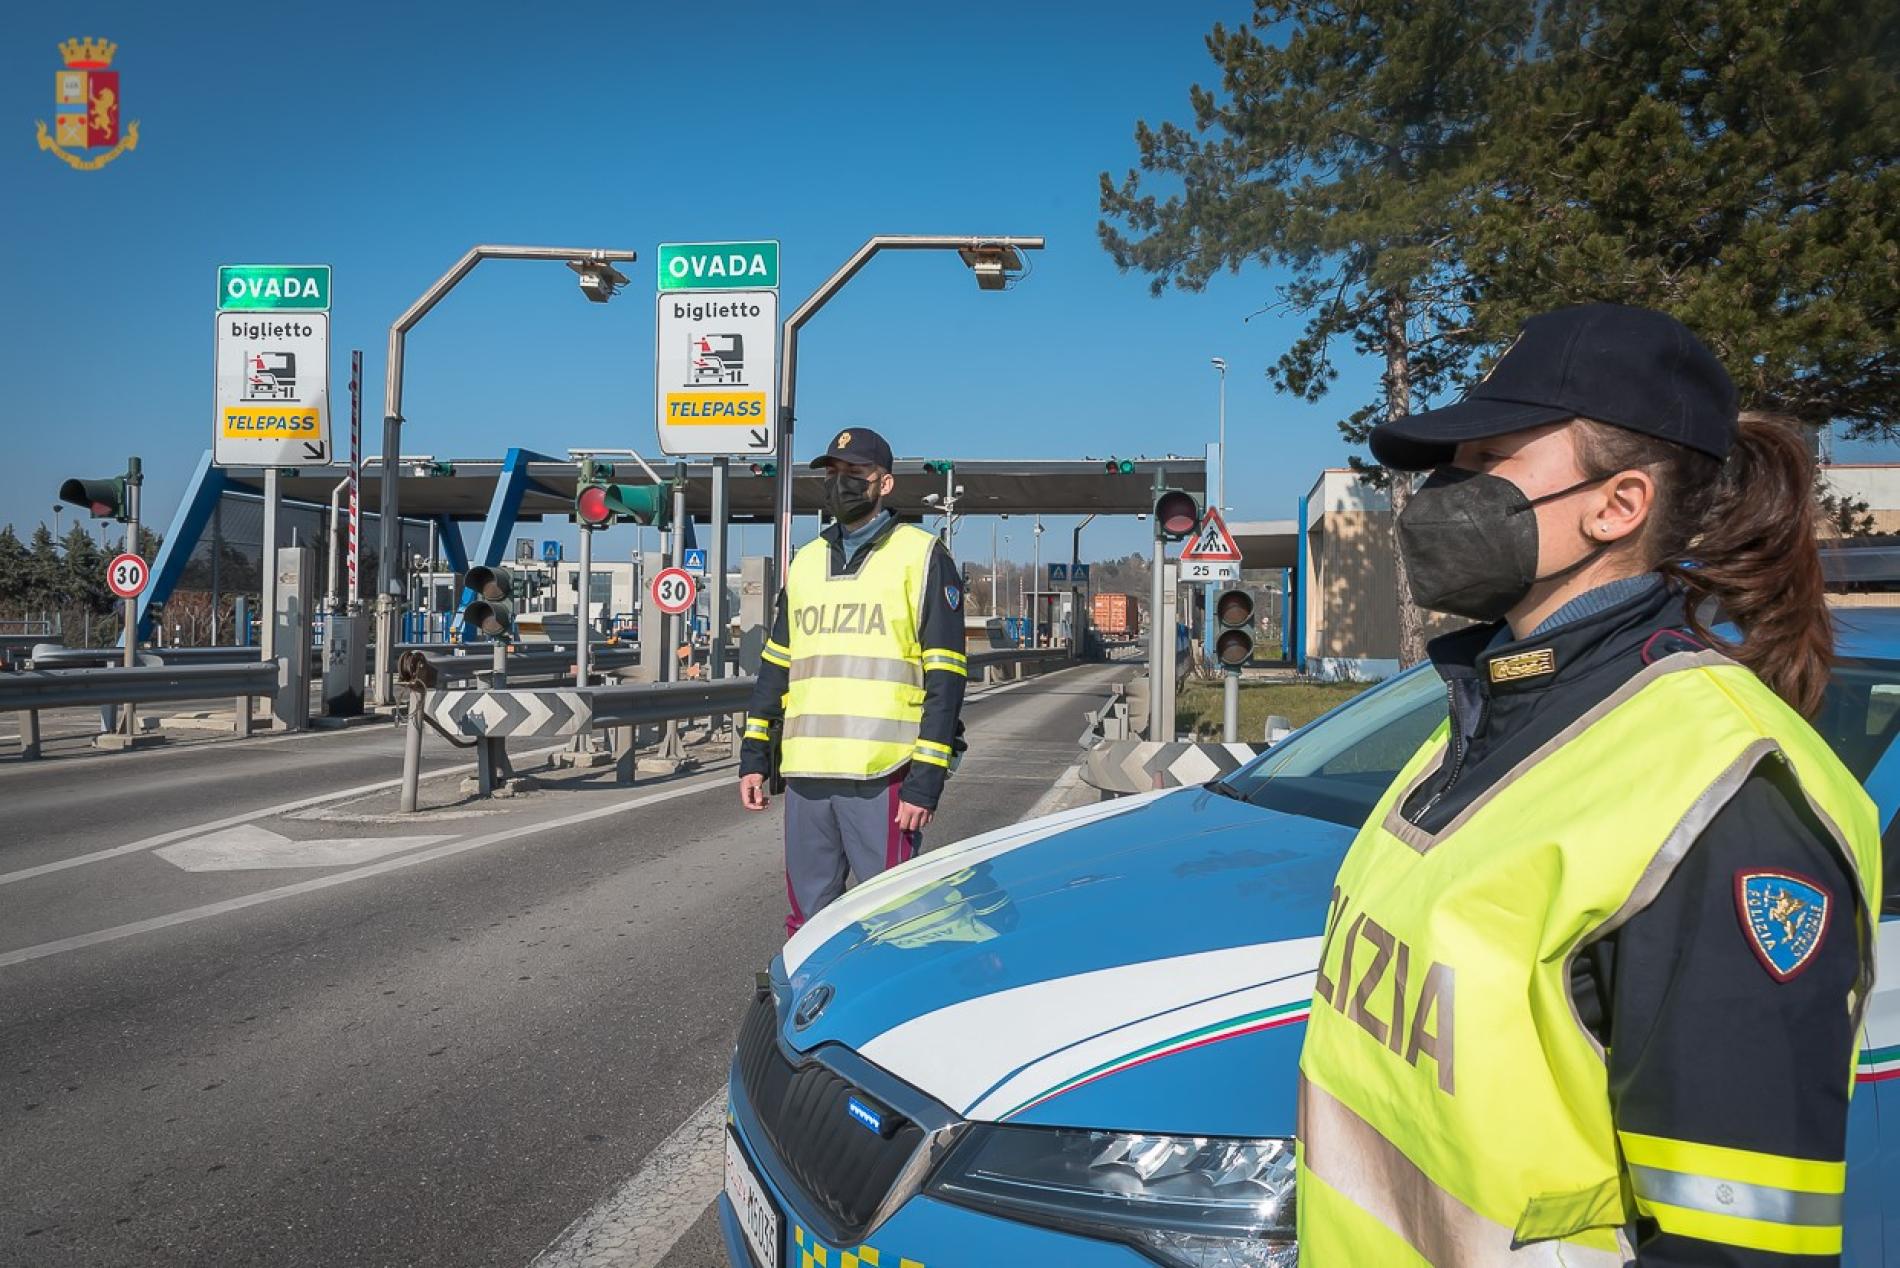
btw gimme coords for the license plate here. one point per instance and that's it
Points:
(758, 1218)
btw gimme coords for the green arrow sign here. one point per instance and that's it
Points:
(265, 287)
(719, 266)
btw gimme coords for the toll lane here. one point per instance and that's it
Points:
(444, 1062)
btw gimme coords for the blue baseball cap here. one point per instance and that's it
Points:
(1633, 368)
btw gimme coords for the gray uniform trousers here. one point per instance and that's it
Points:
(834, 826)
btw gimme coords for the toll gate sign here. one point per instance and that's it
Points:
(272, 366)
(715, 359)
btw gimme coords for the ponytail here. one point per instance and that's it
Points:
(1740, 533)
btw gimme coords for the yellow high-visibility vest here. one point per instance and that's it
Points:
(1454, 1111)
(857, 666)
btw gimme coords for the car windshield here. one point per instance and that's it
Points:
(1336, 768)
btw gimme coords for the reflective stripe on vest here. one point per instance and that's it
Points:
(856, 695)
(1454, 1111)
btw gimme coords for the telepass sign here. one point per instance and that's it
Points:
(272, 366)
(715, 357)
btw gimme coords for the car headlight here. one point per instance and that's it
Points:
(1186, 1201)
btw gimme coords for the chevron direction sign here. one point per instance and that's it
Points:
(1132, 766)
(520, 713)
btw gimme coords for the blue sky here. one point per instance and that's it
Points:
(386, 139)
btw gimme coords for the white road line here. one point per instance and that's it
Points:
(637, 1224)
(249, 816)
(206, 912)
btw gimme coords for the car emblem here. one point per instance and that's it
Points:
(812, 1005)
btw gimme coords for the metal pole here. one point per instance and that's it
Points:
(267, 577)
(389, 582)
(1075, 588)
(1035, 587)
(716, 568)
(355, 476)
(1221, 500)
(217, 553)
(1160, 647)
(333, 595)
(788, 365)
(1230, 710)
(584, 619)
(994, 610)
(135, 484)
(412, 750)
(671, 625)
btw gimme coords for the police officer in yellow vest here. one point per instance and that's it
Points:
(1594, 969)
(865, 671)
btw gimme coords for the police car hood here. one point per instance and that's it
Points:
(991, 972)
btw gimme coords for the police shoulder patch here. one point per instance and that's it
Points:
(953, 596)
(1784, 917)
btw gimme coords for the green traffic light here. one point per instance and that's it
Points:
(1119, 466)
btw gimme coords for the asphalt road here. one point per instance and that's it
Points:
(236, 1031)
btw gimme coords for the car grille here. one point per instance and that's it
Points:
(844, 1169)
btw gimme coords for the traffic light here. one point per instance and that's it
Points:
(1176, 514)
(764, 468)
(598, 502)
(1119, 466)
(1233, 615)
(105, 499)
(939, 467)
(492, 610)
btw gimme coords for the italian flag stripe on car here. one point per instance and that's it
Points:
(1265, 1019)
(1877, 1064)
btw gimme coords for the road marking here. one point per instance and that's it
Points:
(637, 1224)
(249, 816)
(249, 847)
(209, 910)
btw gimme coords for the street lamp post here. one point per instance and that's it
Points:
(598, 279)
(993, 260)
(1076, 588)
(1220, 500)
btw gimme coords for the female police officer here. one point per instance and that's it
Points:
(1594, 968)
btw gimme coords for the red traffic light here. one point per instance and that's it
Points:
(1234, 607)
(1176, 514)
(591, 505)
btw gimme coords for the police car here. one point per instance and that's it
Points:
(1074, 1041)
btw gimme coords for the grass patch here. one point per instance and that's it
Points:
(1198, 710)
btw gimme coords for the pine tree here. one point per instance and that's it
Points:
(1343, 145)
(1734, 162)
(45, 573)
(15, 565)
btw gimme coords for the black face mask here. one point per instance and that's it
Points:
(848, 498)
(1470, 543)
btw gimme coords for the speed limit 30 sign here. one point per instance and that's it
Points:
(126, 576)
(673, 590)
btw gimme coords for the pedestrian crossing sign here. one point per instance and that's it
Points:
(1212, 543)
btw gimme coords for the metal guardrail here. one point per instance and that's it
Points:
(647, 703)
(139, 684)
(534, 664)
